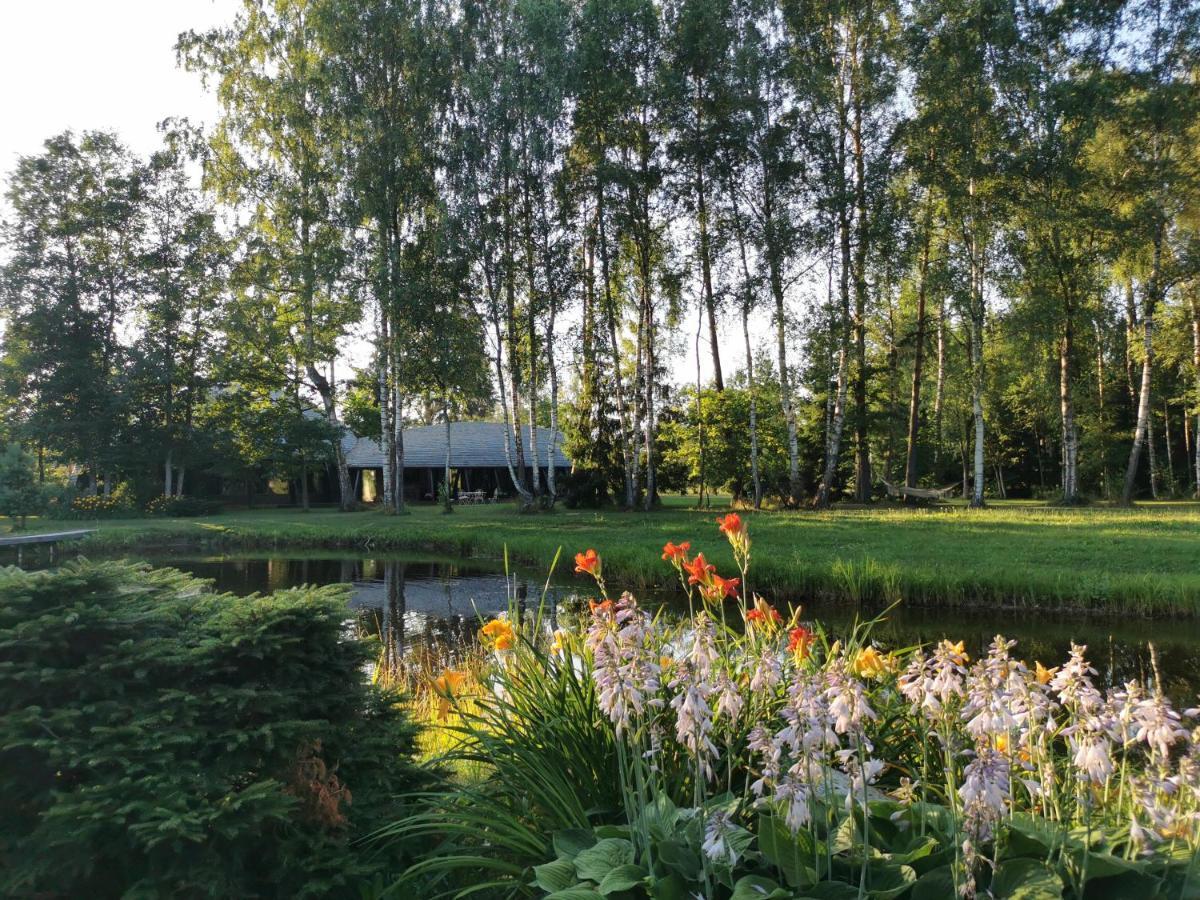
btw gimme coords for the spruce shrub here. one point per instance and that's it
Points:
(159, 740)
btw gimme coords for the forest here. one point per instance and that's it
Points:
(795, 251)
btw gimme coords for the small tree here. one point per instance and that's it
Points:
(20, 494)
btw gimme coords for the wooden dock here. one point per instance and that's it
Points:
(51, 537)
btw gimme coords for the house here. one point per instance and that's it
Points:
(477, 459)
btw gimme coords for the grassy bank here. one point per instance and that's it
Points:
(1143, 561)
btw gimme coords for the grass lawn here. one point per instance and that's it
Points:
(1143, 561)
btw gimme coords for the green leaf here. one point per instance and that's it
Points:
(679, 859)
(889, 881)
(555, 876)
(1026, 879)
(622, 878)
(575, 893)
(672, 887)
(1132, 884)
(1032, 836)
(570, 842)
(605, 855)
(790, 853)
(937, 884)
(831, 890)
(755, 887)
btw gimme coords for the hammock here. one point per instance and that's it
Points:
(895, 490)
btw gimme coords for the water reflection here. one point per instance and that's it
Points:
(437, 603)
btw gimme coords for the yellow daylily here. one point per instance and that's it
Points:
(1042, 674)
(446, 686)
(870, 663)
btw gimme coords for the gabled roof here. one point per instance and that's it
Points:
(472, 445)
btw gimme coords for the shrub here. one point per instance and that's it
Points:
(20, 494)
(158, 740)
(181, 507)
(117, 505)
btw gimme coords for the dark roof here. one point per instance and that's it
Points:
(472, 445)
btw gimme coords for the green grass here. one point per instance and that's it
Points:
(1144, 561)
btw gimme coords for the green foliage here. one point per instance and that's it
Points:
(159, 740)
(181, 507)
(20, 494)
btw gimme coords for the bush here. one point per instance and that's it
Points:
(181, 507)
(157, 740)
(117, 505)
(20, 494)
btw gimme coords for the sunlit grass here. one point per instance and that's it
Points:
(1141, 560)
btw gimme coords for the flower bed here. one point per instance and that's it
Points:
(753, 756)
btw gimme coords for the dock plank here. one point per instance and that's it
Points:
(52, 537)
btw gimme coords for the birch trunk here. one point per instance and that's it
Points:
(1070, 433)
(168, 486)
(1142, 430)
(833, 443)
(747, 300)
(914, 399)
(384, 355)
(447, 498)
(1196, 365)
(939, 391)
(398, 446)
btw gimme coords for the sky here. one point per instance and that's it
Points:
(110, 64)
(98, 64)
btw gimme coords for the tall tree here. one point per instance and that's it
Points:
(272, 158)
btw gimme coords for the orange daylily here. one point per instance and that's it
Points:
(500, 633)
(676, 553)
(588, 563)
(732, 526)
(764, 612)
(603, 607)
(800, 641)
(446, 686)
(699, 570)
(719, 588)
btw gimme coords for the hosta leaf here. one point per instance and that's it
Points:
(622, 878)
(1026, 879)
(1131, 884)
(790, 853)
(555, 876)
(575, 893)
(755, 887)
(886, 882)
(679, 859)
(605, 855)
(570, 842)
(936, 884)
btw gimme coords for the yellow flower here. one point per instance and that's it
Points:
(957, 650)
(870, 663)
(446, 686)
(556, 648)
(1042, 674)
(1001, 742)
(665, 662)
(499, 633)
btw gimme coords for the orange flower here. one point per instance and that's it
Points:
(764, 612)
(446, 687)
(800, 640)
(699, 570)
(588, 563)
(603, 607)
(676, 553)
(723, 587)
(500, 633)
(732, 526)
(1042, 674)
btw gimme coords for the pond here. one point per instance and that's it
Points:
(410, 601)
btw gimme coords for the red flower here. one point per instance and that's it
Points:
(732, 526)
(724, 587)
(699, 571)
(799, 640)
(587, 563)
(676, 553)
(755, 615)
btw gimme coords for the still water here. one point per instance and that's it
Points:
(413, 601)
